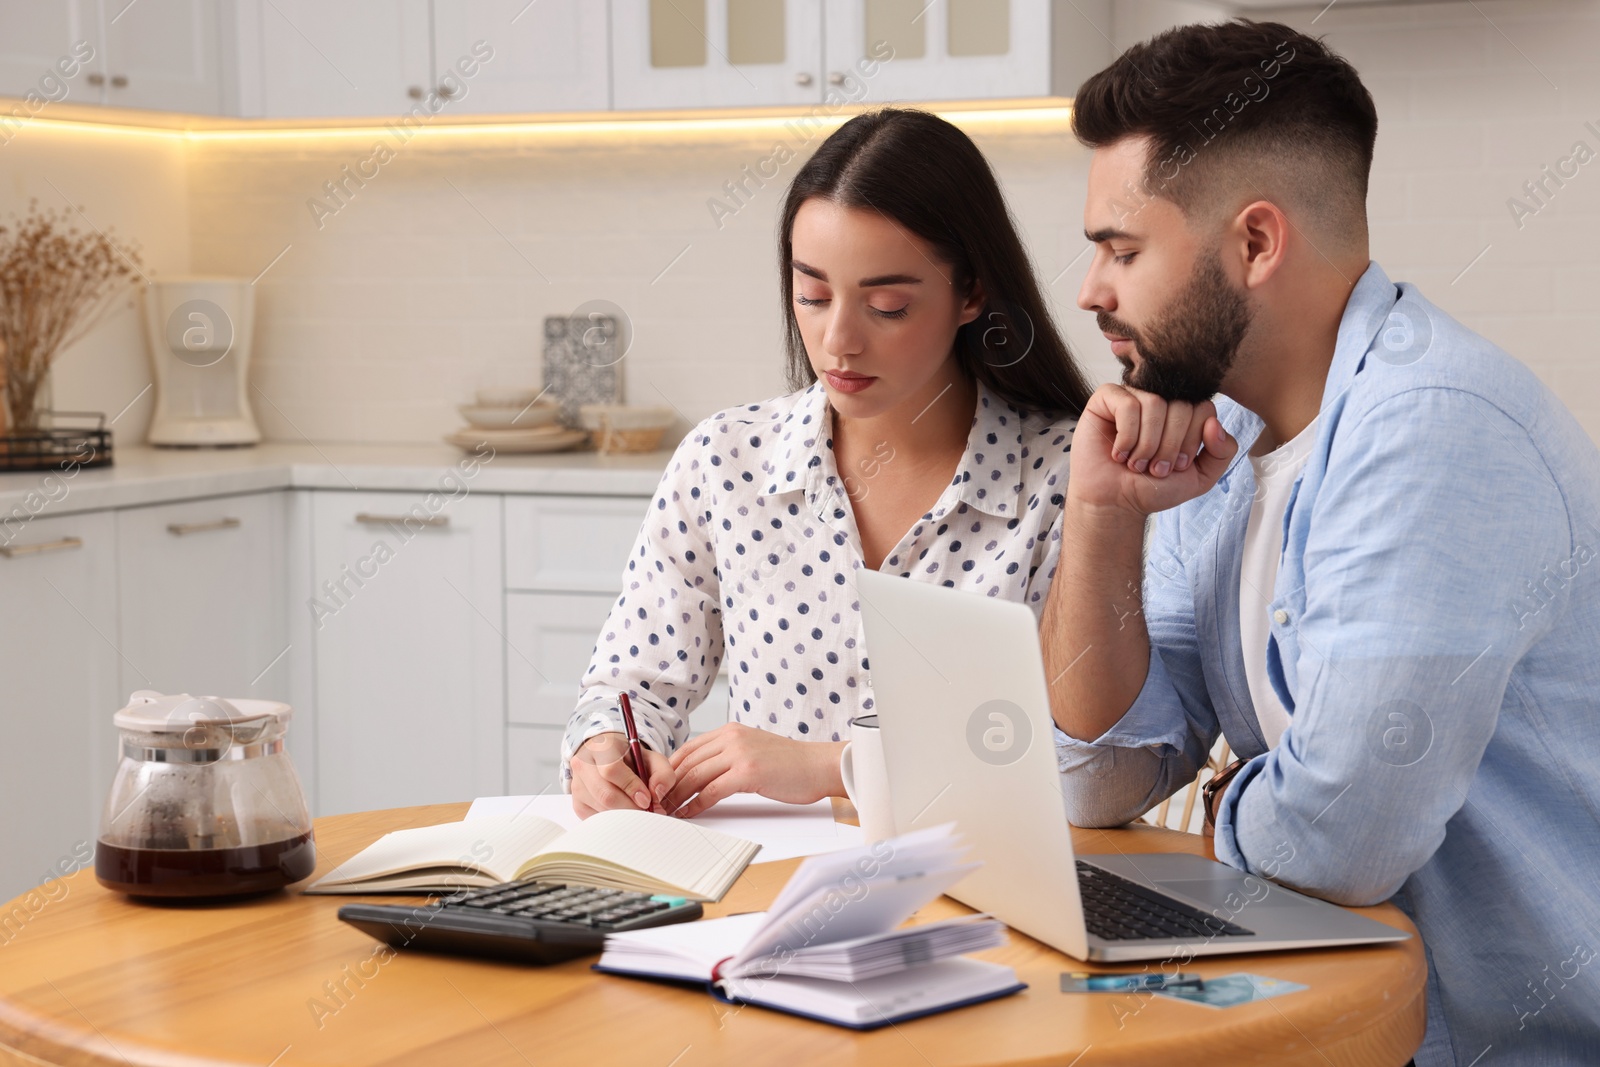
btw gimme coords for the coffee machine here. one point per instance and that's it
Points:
(199, 332)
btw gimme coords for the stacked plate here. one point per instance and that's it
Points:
(514, 420)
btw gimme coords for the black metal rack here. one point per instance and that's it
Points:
(59, 447)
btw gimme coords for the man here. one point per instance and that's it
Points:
(1377, 579)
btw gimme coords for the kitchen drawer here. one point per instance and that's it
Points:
(570, 544)
(552, 637)
(533, 760)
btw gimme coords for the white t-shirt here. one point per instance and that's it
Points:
(1263, 545)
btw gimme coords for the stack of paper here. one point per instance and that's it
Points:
(783, 831)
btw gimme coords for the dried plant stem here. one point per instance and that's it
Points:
(56, 283)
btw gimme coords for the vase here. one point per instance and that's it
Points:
(27, 403)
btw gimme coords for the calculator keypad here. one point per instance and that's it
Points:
(553, 902)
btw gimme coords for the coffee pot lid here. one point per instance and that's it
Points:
(153, 712)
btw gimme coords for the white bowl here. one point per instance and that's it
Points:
(625, 417)
(508, 396)
(509, 418)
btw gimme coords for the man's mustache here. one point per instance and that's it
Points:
(1116, 327)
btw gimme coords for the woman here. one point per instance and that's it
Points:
(927, 437)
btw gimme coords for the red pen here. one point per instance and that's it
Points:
(640, 766)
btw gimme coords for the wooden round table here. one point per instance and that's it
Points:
(92, 978)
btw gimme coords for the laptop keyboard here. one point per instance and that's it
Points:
(1116, 909)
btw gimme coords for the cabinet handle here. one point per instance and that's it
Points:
(10, 551)
(836, 78)
(445, 91)
(119, 81)
(415, 92)
(803, 78)
(367, 519)
(97, 79)
(178, 529)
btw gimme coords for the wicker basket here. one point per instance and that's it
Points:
(608, 440)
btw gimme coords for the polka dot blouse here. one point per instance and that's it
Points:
(748, 554)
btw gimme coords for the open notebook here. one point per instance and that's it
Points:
(831, 946)
(633, 850)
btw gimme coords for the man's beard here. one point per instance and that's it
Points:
(1188, 352)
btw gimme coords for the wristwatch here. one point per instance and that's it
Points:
(1212, 791)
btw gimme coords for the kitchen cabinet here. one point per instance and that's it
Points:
(59, 659)
(36, 36)
(730, 53)
(953, 49)
(410, 655)
(166, 55)
(161, 54)
(438, 667)
(566, 559)
(387, 58)
(715, 53)
(384, 59)
(547, 56)
(202, 597)
(366, 58)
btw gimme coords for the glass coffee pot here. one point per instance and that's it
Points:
(205, 802)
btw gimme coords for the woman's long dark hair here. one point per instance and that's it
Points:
(921, 172)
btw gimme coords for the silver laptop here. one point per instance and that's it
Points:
(959, 686)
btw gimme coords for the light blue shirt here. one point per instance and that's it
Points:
(1435, 637)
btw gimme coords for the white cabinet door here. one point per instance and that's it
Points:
(553, 55)
(887, 50)
(59, 661)
(34, 37)
(354, 58)
(715, 53)
(409, 651)
(202, 597)
(162, 54)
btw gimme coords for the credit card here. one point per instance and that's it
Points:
(1232, 990)
(1084, 982)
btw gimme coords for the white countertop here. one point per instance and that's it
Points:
(144, 475)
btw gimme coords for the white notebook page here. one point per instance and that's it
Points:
(674, 851)
(498, 845)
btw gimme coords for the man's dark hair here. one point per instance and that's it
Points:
(1239, 107)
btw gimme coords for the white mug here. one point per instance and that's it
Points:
(866, 779)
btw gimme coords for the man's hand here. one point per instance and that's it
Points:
(742, 759)
(1137, 454)
(602, 777)
(1133, 454)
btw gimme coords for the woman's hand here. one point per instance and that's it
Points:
(603, 779)
(742, 759)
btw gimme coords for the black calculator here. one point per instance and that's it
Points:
(528, 921)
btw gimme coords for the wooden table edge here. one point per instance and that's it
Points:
(20, 1034)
